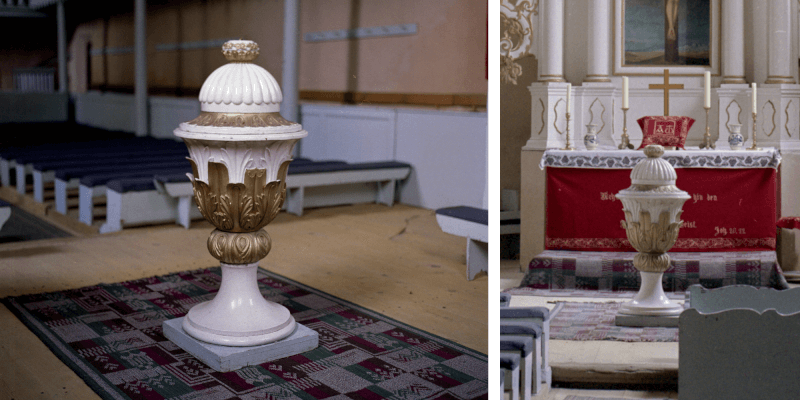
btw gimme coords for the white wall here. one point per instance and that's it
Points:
(446, 149)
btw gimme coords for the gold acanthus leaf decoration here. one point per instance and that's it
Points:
(652, 238)
(239, 207)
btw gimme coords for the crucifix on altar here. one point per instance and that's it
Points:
(666, 86)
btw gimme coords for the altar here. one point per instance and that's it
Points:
(733, 205)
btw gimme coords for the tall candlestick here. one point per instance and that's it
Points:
(707, 102)
(569, 96)
(625, 92)
(755, 110)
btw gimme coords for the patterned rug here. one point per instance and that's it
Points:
(604, 294)
(595, 321)
(614, 271)
(111, 336)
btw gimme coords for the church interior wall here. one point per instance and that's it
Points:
(447, 55)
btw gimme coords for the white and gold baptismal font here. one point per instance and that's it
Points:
(240, 149)
(652, 206)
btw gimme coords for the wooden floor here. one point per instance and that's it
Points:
(395, 261)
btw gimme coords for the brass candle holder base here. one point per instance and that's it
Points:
(626, 143)
(568, 145)
(755, 141)
(707, 143)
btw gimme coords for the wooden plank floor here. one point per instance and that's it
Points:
(395, 261)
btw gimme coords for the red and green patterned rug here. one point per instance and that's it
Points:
(111, 336)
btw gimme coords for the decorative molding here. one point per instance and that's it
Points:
(543, 111)
(240, 120)
(596, 99)
(516, 36)
(239, 248)
(773, 118)
(786, 125)
(555, 120)
(738, 115)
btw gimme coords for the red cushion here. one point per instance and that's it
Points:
(666, 131)
(789, 223)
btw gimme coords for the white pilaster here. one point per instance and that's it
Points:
(62, 46)
(291, 31)
(778, 42)
(733, 41)
(140, 54)
(597, 58)
(552, 65)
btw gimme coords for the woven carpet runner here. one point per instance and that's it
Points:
(111, 336)
(595, 321)
(610, 271)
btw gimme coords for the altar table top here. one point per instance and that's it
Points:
(693, 158)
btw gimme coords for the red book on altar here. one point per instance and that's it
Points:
(665, 130)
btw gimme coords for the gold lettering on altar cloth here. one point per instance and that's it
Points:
(608, 196)
(689, 224)
(699, 197)
(723, 231)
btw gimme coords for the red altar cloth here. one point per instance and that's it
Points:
(730, 209)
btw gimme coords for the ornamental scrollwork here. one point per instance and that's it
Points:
(516, 35)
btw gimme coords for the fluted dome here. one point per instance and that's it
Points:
(240, 86)
(653, 170)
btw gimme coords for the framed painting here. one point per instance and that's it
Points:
(650, 35)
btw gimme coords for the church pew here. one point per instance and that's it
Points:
(23, 160)
(540, 316)
(94, 185)
(739, 342)
(472, 223)
(525, 347)
(510, 362)
(309, 184)
(47, 171)
(5, 212)
(532, 376)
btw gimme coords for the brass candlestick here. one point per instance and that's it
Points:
(755, 141)
(626, 143)
(569, 145)
(707, 143)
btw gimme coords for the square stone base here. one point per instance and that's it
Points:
(646, 320)
(231, 358)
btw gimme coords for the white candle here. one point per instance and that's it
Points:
(625, 92)
(707, 103)
(754, 98)
(569, 95)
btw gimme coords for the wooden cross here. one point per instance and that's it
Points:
(666, 86)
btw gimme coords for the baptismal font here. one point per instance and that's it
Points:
(652, 206)
(240, 150)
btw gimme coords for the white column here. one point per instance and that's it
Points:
(732, 41)
(289, 108)
(552, 66)
(140, 54)
(597, 56)
(779, 46)
(62, 47)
